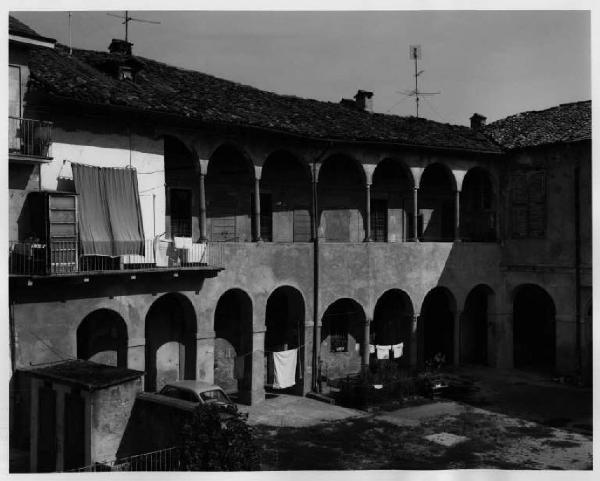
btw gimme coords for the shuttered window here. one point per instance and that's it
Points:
(528, 204)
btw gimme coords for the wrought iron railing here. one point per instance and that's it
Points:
(67, 257)
(163, 460)
(29, 137)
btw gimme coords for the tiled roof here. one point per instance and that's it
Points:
(565, 123)
(16, 27)
(160, 88)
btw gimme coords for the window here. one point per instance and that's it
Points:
(379, 220)
(528, 204)
(181, 212)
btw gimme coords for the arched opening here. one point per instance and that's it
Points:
(285, 199)
(477, 207)
(534, 328)
(170, 341)
(233, 342)
(182, 190)
(392, 323)
(474, 326)
(229, 192)
(285, 331)
(437, 321)
(391, 202)
(436, 204)
(102, 338)
(341, 336)
(341, 194)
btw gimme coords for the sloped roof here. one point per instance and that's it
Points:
(161, 88)
(16, 27)
(564, 123)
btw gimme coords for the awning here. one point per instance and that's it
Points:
(110, 217)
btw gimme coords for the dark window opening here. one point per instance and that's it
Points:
(181, 212)
(379, 220)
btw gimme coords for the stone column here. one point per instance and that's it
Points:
(256, 393)
(368, 213)
(457, 343)
(457, 216)
(205, 358)
(61, 391)
(414, 342)
(203, 237)
(365, 347)
(34, 424)
(136, 353)
(415, 232)
(88, 438)
(257, 209)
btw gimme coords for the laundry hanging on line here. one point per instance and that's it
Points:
(284, 363)
(383, 352)
(398, 350)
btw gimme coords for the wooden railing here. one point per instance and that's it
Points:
(29, 137)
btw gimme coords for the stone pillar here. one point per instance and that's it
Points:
(368, 213)
(415, 232)
(257, 382)
(257, 209)
(457, 343)
(457, 216)
(203, 237)
(61, 391)
(136, 353)
(34, 424)
(88, 439)
(365, 347)
(205, 358)
(414, 342)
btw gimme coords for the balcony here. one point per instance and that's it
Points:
(64, 258)
(28, 139)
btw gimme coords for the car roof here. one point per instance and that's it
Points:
(196, 386)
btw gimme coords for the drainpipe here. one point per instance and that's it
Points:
(577, 269)
(316, 329)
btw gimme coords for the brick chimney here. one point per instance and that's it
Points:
(120, 46)
(477, 121)
(364, 100)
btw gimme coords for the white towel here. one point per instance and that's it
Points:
(383, 352)
(182, 242)
(371, 349)
(398, 350)
(285, 368)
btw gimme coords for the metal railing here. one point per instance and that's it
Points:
(29, 137)
(163, 460)
(66, 257)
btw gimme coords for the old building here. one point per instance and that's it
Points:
(167, 221)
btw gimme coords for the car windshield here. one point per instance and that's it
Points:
(216, 395)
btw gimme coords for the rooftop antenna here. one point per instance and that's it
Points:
(415, 54)
(126, 19)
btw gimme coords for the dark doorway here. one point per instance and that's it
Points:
(170, 341)
(233, 342)
(74, 430)
(474, 322)
(181, 212)
(437, 321)
(534, 328)
(436, 204)
(285, 330)
(46, 429)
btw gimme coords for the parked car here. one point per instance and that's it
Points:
(198, 392)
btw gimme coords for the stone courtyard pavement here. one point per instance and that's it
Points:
(296, 433)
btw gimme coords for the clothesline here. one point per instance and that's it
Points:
(265, 351)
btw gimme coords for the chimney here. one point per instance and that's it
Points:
(364, 100)
(120, 47)
(477, 122)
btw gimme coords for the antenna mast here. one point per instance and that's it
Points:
(415, 54)
(126, 19)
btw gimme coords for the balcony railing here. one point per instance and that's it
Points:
(29, 137)
(65, 257)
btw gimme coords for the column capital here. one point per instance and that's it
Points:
(257, 172)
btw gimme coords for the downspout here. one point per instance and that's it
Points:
(316, 330)
(577, 209)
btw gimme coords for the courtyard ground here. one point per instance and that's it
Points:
(497, 419)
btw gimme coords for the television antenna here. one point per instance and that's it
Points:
(126, 19)
(415, 54)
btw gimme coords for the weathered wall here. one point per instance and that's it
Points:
(22, 179)
(110, 414)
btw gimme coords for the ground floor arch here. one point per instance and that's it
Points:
(170, 341)
(233, 342)
(284, 322)
(437, 325)
(342, 334)
(474, 322)
(102, 338)
(534, 328)
(392, 323)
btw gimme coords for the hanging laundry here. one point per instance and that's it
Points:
(383, 352)
(238, 367)
(371, 349)
(398, 350)
(285, 368)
